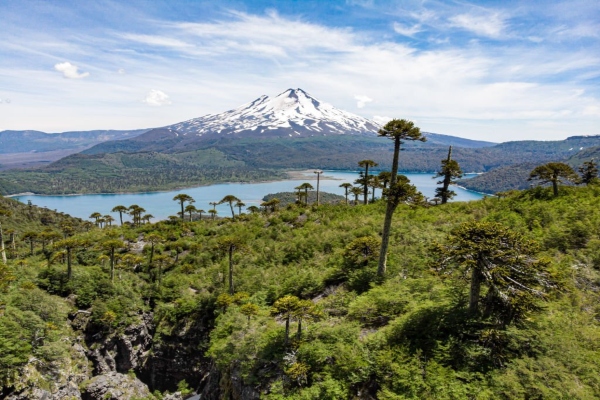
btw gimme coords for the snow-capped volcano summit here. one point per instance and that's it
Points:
(291, 113)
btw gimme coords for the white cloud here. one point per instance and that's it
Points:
(121, 71)
(212, 66)
(381, 120)
(157, 98)
(70, 71)
(362, 100)
(404, 30)
(488, 24)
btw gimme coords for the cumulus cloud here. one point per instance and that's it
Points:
(362, 100)
(70, 71)
(157, 98)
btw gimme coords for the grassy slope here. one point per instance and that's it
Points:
(404, 338)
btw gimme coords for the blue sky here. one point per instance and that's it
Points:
(489, 70)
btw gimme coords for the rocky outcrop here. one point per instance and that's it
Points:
(61, 378)
(124, 351)
(179, 356)
(114, 386)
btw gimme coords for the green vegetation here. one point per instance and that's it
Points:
(286, 198)
(492, 299)
(525, 327)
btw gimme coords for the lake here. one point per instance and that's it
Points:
(161, 204)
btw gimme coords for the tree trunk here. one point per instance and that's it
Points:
(447, 177)
(389, 212)
(287, 330)
(299, 333)
(318, 179)
(2, 250)
(112, 264)
(31, 247)
(69, 267)
(231, 270)
(555, 187)
(232, 212)
(476, 279)
(366, 188)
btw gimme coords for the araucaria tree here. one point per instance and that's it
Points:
(120, 209)
(286, 308)
(501, 259)
(346, 186)
(398, 130)
(589, 172)
(366, 164)
(554, 173)
(449, 172)
(230, 199)
(229, 244)
(182, 198)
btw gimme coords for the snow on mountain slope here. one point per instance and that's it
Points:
(291, 113)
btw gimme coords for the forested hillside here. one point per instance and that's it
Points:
(234, 160)
(287, 304)
(516, 176)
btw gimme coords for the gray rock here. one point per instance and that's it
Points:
(114, 386)
(125, 351)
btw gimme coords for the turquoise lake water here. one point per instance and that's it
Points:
(161, 204)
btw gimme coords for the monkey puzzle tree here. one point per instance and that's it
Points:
(305, 310)
(190, 208)
(285, 307)
(30, 237)
(503, 260)
(182, 198)
(154, 239)
(589, 172)
(374, 184)
(136, 214)
(306, 187)
(230, 199)
(398, 130)
(239, 204)
(554, 173)
(450, 170)
(69, 245)
(346, 187)
(120, 209)
(356, 191)
(227, 245)
(249, 310)
(96, 216)
(108, 219)
(111, 247)
(366, 164)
